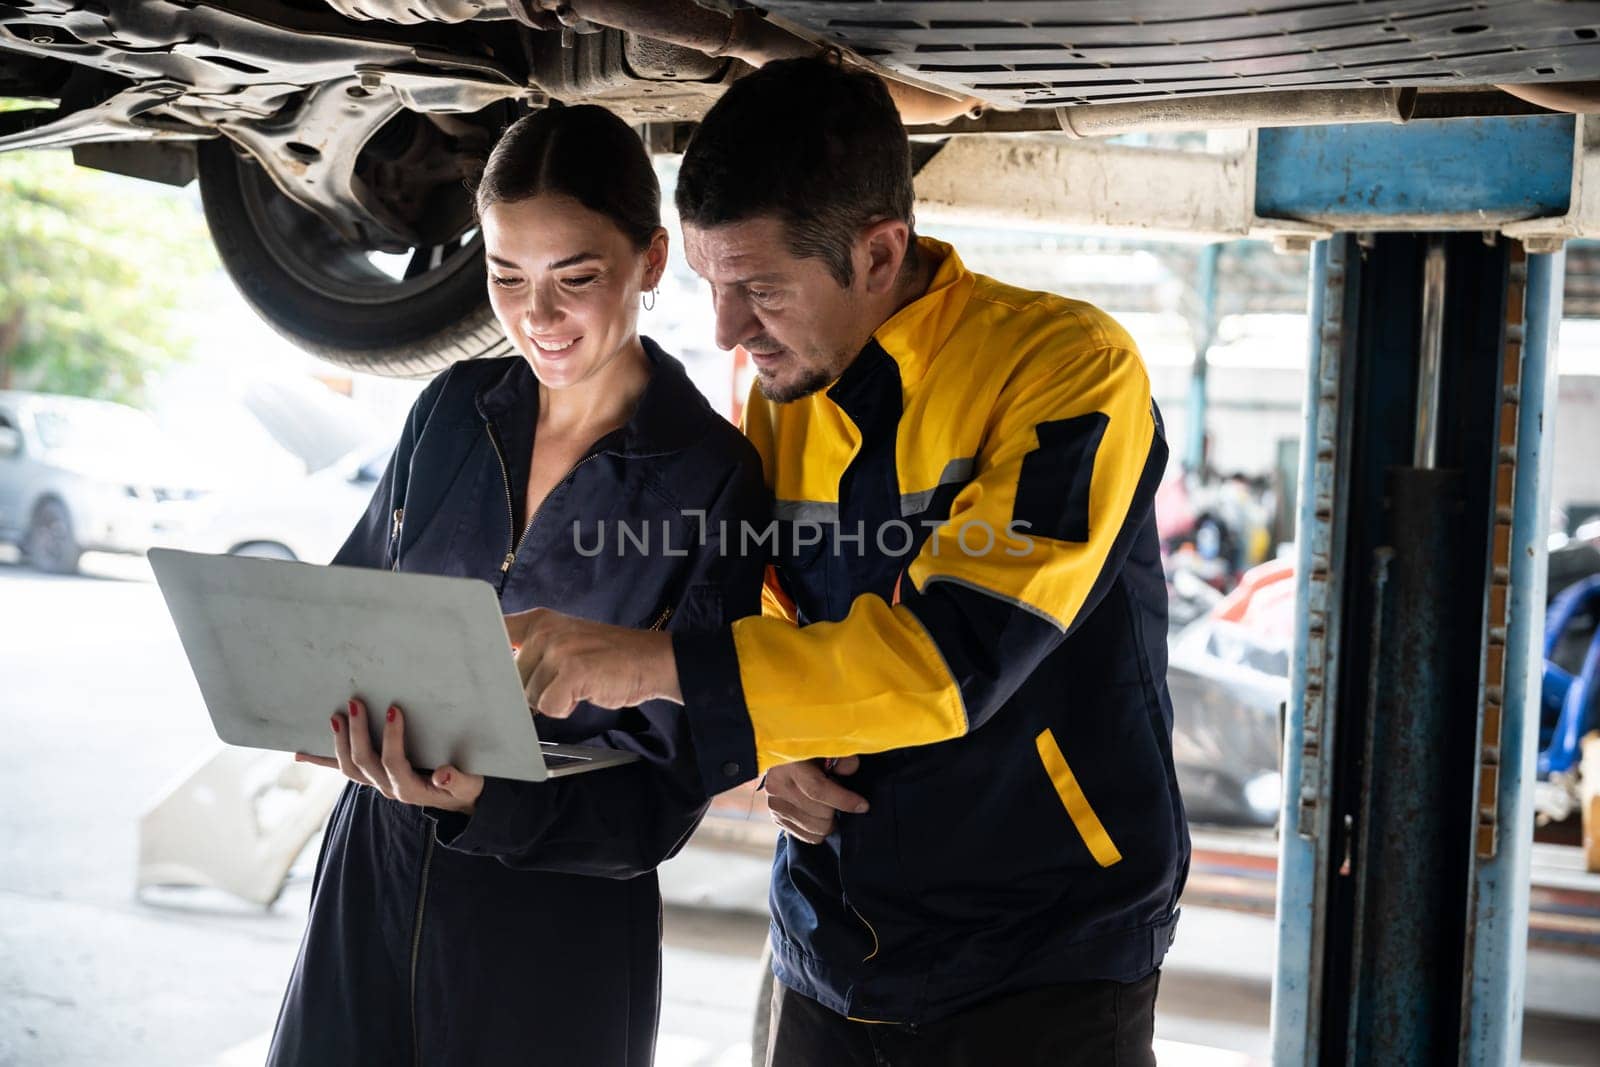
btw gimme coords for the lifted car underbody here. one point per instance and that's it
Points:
(325, 134)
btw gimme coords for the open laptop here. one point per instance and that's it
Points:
(277, 647)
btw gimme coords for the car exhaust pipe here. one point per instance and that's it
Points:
(1243, 110)
(746, 35)
(1579, 98)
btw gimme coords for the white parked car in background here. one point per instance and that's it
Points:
(307, 519)
(81, 475)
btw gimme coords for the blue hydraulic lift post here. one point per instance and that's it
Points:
(1401, 937)
(1382, 738)
(1436, 320)
(1498, 953)
(1303, 820)
(1206, 287)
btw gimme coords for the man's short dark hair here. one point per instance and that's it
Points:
(817, 145)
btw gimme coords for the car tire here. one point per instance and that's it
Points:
(330, 297)
(264, 550)
(50, 544)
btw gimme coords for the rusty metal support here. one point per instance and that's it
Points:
(1412, 836)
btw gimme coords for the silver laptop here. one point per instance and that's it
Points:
(278, 647)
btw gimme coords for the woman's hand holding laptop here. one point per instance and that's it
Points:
(388, 770)
(561, 660)
(611, 666)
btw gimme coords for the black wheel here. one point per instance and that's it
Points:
(50, 544)
(406, 313)
(264, 550)
(761, 1026)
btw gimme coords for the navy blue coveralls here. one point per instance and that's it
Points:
(529, 932)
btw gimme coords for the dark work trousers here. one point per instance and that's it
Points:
(1081, 1024)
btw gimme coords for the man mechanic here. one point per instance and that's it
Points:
(966, 610)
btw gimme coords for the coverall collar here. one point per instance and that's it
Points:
(653, 429)
(915, 333)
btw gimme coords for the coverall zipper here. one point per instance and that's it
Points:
(416, 941)
(394, 537)
(505, 565)
(427, 847)
(511, 513)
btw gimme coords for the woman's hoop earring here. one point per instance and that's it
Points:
(648, 300)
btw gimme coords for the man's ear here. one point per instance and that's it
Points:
(882, 250)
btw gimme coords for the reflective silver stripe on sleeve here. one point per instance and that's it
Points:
(956, 471)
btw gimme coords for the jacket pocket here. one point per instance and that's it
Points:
(1088, 824)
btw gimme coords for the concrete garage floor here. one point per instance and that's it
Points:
(99, 715)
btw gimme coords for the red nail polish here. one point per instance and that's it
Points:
(392, 710)
(335, 721)
(355, 708)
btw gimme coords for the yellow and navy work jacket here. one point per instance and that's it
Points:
(967, 592)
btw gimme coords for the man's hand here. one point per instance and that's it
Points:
(805, 800)
(564, 661)
(388, 771)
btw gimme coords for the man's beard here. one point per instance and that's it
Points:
(812, 381)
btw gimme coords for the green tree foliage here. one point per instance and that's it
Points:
(94, 269)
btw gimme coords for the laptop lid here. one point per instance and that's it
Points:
(278, 647)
